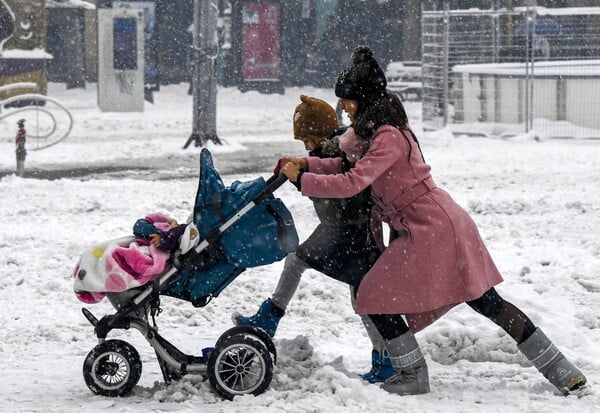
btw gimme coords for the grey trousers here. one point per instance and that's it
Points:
(293, 268)
(377, 340)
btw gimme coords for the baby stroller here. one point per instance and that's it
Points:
(239, 227)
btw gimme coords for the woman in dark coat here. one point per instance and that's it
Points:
(436, 258)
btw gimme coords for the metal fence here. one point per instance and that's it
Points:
(506, 72)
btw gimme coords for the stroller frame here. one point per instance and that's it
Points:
(241, 362)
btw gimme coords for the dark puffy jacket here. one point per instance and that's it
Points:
(341, 246)
(340, 211)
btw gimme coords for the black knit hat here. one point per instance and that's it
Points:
(363, 79)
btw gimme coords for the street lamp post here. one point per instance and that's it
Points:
(204, 86)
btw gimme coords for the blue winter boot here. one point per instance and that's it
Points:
(267, 317)
(381, 368)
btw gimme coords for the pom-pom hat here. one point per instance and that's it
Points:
(363, 79)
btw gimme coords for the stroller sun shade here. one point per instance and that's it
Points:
(262, 235)
(216, 203)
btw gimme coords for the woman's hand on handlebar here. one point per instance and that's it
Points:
(302, 163)
(291, 170)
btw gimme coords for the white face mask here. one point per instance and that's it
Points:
(353, 146)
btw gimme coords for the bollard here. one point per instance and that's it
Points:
(20, 151)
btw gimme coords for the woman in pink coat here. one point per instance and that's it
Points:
(436, 258)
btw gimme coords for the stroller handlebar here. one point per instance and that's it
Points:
(273, 183)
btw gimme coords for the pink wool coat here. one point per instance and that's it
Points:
(438, 259)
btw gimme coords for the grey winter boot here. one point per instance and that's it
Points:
(409, 364)
(551, 363)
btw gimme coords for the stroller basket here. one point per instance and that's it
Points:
(241, 226)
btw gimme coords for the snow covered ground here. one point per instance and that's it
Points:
(537, 204)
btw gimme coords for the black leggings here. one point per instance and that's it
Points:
(490, 304)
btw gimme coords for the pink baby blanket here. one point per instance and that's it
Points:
(117, 265)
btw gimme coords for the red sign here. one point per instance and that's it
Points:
(260, 41)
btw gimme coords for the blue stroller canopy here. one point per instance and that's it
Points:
(216, 203)
(262, 235)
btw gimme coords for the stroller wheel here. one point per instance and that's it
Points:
(112, 368)
(240, 364)
(258, 333)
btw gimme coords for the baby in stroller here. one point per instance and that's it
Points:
(132, 261)
(231, 229)
(164, 232)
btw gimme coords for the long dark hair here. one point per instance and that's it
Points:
(385, 110)
(373, 113)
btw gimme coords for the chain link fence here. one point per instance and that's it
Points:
(507, 72)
